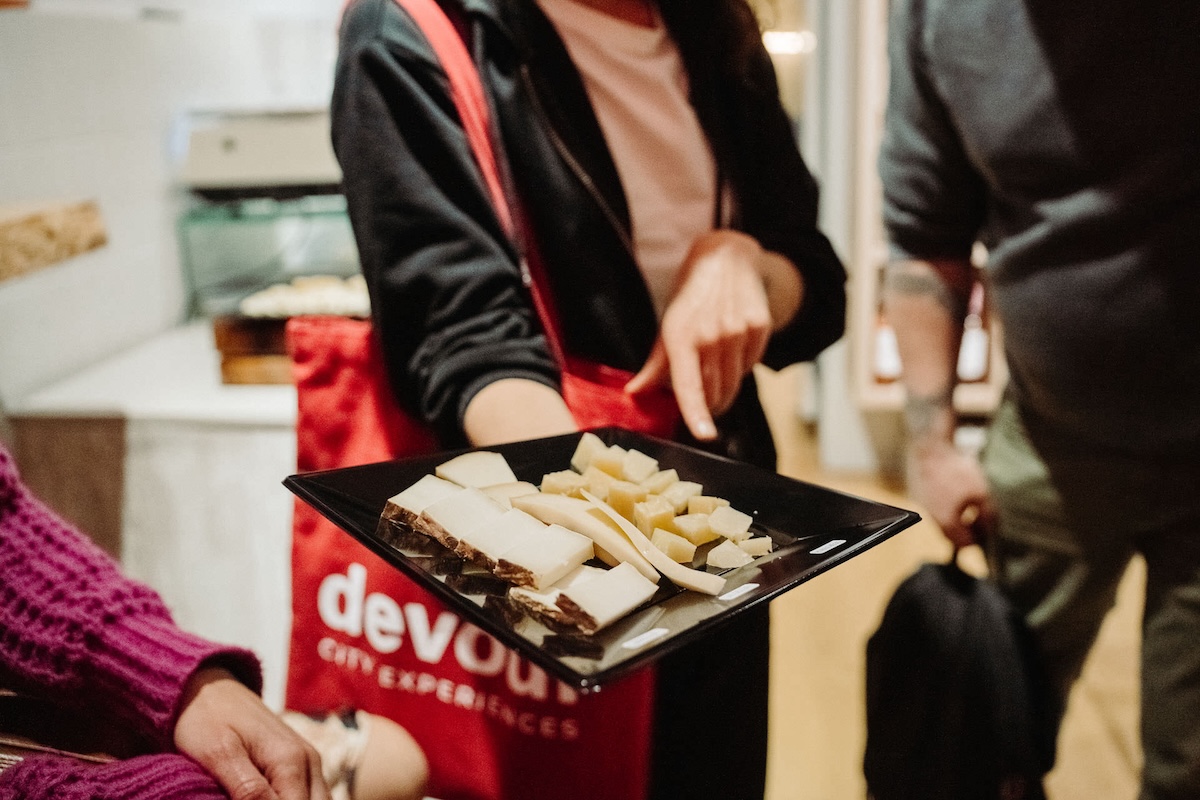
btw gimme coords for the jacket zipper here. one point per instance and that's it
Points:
(575, 166)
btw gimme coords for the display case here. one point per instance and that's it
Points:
(233, 248)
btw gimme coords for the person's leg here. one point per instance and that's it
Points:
(714, 690)
(1057, 552)
(1171, 643)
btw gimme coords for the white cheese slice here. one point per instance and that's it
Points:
(406, 506)
(485, 544)
(543, 559)
(477, 468)
(545, 604)
(503, 493)
(457, 514)
(704, 582)
(603, 599)
(572, 513)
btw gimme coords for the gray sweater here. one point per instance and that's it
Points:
(1066, 139)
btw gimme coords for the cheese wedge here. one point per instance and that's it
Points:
(704, 582)
(544, 558)
(598, 602)
(485, 544)
(457, 514)
(572, 513)
(477, 468)
(406, 506)
(545, 604)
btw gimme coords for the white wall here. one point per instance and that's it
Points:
(89, 93)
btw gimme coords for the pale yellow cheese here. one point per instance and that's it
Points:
(601, 600)
(729, 522)
(503, 493)
(407, 506)
(637, 466)
(545, 557)
(758, 546)
(585, 451)
(675, 546)
(477, 468)
(457, 514)
(727, 555)
(694, 528)
(563, 482)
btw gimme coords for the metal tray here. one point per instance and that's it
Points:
(814, 530)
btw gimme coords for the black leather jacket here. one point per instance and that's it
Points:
(446, 289)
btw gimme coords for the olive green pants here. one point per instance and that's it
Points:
(1070, 519)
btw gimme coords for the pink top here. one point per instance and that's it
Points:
(74, 628)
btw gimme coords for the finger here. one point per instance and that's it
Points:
(689, 393)
(654, 373)
(316, 778)
(735, 368)
(238, 776)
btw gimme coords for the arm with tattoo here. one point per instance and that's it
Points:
(926, 303)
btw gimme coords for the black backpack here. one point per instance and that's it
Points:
(957, 707)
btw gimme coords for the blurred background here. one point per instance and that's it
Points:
(167, 194)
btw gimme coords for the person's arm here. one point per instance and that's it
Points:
(514, 409)
(934, 205)
(447, 295)
(925, 303)
(79, 632)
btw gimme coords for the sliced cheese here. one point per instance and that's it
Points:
(698, 581)
(485, 544)
(477, 468)
(457, 514)
(541, 560)
(406, 506)
(573, 513)
(545, 604)
(601, 600)
(503, 493)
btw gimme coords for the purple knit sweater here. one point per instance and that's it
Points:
(73, 628)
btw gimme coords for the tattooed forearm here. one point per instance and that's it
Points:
(923, 413)
(919, 278)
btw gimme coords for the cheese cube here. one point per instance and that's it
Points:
(675, 546)
(562, 482)
(694, 528)
(659, 481)
(597, 481)
(653, 512)
(727, 555)
(610, 460)
(637, 466)
(704, 504)
(729, 522)
(623, 495)
(680, 492)
(585, 451)
(758, 546)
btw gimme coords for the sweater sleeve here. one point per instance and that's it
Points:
(73, 628)
(157, 777)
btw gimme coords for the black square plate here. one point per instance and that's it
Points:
(814, 529)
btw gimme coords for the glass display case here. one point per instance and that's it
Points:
(233, 248)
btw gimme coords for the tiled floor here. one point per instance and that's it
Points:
(820, 632)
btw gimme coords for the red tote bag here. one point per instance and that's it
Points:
(493, 726)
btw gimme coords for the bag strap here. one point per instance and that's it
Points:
(470, 100)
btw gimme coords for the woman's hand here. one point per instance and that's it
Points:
(731, 294)
(250, 752)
